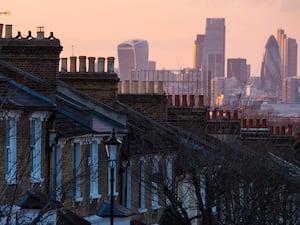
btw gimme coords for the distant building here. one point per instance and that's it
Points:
(237, 67)
(214, 47)
(198, 51)
(288, 52)
(271, 73)
(151, 65)
(292, 94)
(209, 49)
(132, 55)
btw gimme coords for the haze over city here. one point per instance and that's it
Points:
(95, 28)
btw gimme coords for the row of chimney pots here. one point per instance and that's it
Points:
(91, 64)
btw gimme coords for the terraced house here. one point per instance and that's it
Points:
(177, 165)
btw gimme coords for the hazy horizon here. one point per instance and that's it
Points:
(95, 28)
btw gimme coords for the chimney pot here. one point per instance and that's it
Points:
(192, 100)
(101, 63)
(1, 30)
(91, 64)
(110, 64)
(64, 64)
(82, 64)
(40, 33)
(184, 102)
(73, 65)
(170, 103)
(228, 115)
(177, 101)
(200, 101)
(8, 31)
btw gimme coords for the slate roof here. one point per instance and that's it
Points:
(68, 125)
(20, 96)
(119, 210)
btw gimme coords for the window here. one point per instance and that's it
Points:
(76, 172)
(36, 148)
(142, 188)
(11, 150)
(169, 162)
(93, 163)
(57, 173)
(128, 186)
(154, 183)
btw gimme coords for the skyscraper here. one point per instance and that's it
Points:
(271, 73)
(214, 47)
(132, 56)
(198, 51)
(237, 67)
(288, 53)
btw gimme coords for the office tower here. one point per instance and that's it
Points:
(288, 52)
(214, 47)
(132, 56)
(151, 65)
(237, 67)
(291, 57)
(271, 69)
(198, 51)
(292, 89)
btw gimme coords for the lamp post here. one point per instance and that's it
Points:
(112, 148)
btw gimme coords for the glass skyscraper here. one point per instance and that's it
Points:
(214, 46)
(132, 56)
(271, 70)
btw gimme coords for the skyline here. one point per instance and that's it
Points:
(96, 28)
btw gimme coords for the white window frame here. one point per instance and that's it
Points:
(35, 149)
(36, 133)
(169, 168)
(142, 186)
(94, 167)
(76, 161)
(154, 185)
(11, 150)
(57, 172)
(128, 186)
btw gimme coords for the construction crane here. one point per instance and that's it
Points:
(5, 13)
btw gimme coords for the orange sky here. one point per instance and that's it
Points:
(96, 27)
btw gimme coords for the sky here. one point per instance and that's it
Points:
(96, 27)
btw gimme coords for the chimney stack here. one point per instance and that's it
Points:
(1, 29)
(40, 34)
(91, 64)
(82, 64)
(110, 64)
(101, 63)
(64, 64)
(8, 31)
(73, 64)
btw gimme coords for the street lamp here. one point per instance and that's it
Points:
(112, 148)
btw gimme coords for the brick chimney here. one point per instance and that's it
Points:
(39, 57)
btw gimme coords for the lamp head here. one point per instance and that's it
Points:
(112, 147)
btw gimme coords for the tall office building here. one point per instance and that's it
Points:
(288, 52)
(132, 56)
(271, 74)
(209, 48)
(214, 47)
(198, 51)
(237, 67)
